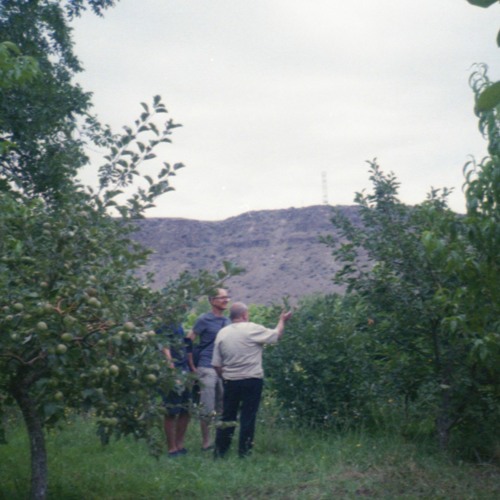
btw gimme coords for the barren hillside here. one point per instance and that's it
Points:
(278, 248)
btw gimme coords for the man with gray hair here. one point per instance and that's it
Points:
(237, 358)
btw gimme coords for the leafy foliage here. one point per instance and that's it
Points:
(482, 3)
(417, 335)
(15, 70)
(490, 96)
(322, 372)
(128, 153)
(41, 118)
(432, 293)
(78, 326)
(428, 282)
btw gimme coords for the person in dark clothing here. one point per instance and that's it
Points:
(177, 401)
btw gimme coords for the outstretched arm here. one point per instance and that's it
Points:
(284, 317)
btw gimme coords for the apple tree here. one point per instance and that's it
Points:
(431, 288)
(14, 70)
(76, 323)
(322, 373)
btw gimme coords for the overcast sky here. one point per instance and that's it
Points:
(274, 93)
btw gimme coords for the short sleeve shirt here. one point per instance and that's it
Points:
(207, 327)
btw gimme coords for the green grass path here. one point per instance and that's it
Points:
(285, 465)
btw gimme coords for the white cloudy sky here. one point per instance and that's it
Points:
(272, 93)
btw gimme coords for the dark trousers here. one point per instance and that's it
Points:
(243, 396)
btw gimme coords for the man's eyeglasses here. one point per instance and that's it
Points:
(222, 297)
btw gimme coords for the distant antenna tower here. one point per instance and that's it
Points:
(324, 185)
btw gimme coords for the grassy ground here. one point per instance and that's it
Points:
(285, 465)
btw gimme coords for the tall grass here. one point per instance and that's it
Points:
(286, 464)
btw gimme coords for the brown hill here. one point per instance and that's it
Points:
(279, 249)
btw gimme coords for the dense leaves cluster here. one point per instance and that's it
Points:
(41, 118)
(428, 285)
(321, 372)
(77, 327)
(489, 98)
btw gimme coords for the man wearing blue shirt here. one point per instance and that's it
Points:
(206, 328)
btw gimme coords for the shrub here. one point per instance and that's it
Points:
(322, 372)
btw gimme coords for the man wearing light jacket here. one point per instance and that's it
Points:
(237, 358)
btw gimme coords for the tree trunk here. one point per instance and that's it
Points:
(444, 420)
(443, 432)
(34, 427)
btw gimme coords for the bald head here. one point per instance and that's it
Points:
(238, 312)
